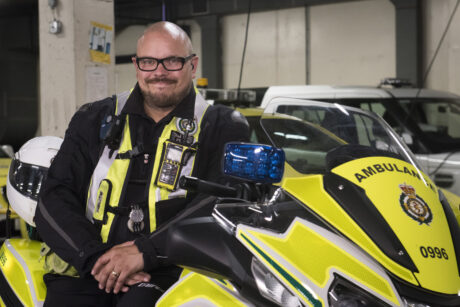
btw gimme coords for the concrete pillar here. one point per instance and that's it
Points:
(408, 40)
(211, 57)
(69, 76)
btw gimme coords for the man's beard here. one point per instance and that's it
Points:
(164, 100)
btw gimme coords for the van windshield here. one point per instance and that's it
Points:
(434, 124)
(437, 119)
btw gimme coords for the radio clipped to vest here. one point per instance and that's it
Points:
(175, 156)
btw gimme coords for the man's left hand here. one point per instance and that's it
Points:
(113, 269)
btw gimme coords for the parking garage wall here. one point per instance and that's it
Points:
(351, 43)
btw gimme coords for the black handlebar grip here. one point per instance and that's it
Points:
(202, 186)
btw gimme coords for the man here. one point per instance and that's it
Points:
(114, 180)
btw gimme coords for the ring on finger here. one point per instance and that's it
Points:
(115, 274)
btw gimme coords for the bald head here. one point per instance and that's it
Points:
(170, 29)
(164, 44)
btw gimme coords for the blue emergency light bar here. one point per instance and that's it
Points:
(255, 162)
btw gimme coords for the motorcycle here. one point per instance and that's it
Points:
(335, 212)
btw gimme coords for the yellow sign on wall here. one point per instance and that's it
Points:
(100, 42)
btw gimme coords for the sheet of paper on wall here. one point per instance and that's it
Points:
(100, 42)
(96, 83)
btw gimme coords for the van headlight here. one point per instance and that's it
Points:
(343, 293)
(271, 288)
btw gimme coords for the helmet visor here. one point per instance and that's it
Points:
(26, 178)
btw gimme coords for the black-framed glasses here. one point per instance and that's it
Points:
(172, 63)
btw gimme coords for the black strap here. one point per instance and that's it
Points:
(124, 210)
(119, 210)
(137, 150)
(114, 210)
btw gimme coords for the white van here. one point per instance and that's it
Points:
(427, 120)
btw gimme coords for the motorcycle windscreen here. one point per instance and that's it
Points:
(309, 131)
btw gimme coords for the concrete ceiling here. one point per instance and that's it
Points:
(131, 12)
(12, 8)
(135, 12)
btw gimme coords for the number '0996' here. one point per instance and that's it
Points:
(433, 252)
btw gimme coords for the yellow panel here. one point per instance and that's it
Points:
(30, 253)
(411, 206)
(325, 256)
(251, 112)
(310, 191)
(4, 166)
(16, 276)
(196, 286)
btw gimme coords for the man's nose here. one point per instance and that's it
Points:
(161, 69)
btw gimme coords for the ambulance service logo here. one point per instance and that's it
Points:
(185, 125)
(414, 205)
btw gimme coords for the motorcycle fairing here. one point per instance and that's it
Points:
(409, 202)
(309, 191)
(306, 258)
(198, 290)
(226, 283)
(22, 271)
(360, 208)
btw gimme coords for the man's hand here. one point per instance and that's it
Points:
(135, 279)
(120, 267)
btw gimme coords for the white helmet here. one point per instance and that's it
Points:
(28, 171)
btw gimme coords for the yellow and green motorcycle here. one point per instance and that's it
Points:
(335, 212)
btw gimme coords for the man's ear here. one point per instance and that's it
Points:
(134, 62)
(194, 63)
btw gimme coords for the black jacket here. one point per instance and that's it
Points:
(60, 215)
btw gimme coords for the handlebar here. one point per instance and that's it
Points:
(197, 185)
